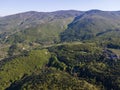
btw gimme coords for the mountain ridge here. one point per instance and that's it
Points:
(91, 23)
(45, 28)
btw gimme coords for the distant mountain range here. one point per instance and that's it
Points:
(52, 27)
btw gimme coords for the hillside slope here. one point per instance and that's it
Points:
(69, 66)
(31, 29)
(94, 24)
(35, 26)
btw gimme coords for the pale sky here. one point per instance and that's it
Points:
(8, 7)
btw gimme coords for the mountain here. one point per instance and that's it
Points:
(35, 26)
(94, 24)
(61, 50)
(53, 27)
(31, 29)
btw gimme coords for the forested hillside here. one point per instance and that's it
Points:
(69, 66)
(95, 25)
(62, 50)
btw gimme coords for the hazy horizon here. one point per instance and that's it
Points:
(8, 7)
